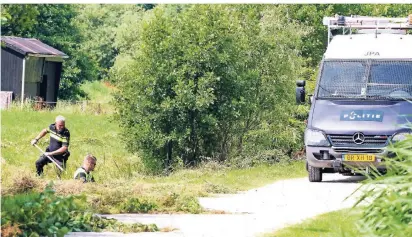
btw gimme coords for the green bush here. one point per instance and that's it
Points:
(188, 204)
(39, 213)
(181, 203)
(390, 210)
(134, 205)
(210, 82)
(46, 214)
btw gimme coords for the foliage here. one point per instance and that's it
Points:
(56, 27)
(41, 214)
(134, 205)
(18, 19)
(87, 221)
(47, 214)
(207, 81)
(98, 91)
(103, 26)
(389, 196)
(53, 24)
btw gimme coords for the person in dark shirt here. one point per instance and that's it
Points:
(58, 148)
(84, 172)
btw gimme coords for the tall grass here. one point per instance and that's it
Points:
(89, 134)
(389, 197)
(98, 101)
(98, 91)
(123, 183)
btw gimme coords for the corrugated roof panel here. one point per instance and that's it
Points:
(30, 46)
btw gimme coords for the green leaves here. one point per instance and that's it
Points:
(134, 205)
(38, 214)
(54, 25)
(18, 19)
(388, 211)
(200, 81)
(44, 214)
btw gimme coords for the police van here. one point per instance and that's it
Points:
(363, 96)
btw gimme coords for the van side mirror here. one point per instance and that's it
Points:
(300, 91)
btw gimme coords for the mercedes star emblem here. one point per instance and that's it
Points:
(358, 138)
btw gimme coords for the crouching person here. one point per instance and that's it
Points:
(84, 172)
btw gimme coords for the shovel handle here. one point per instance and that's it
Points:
(49, 157)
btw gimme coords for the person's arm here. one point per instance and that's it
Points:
(59, 151)
(64, 148)
(38, 137)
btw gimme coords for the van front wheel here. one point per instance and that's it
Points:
(315, 174)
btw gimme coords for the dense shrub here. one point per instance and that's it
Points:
(210, 82)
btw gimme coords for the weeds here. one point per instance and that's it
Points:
(24, 183)
(389, 211)
(120, 176)
(47, 214)
(134, 205)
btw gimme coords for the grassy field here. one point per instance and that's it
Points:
(120, 175)
(340, 223)
(98, 135)
(122, 183)
(98, 91)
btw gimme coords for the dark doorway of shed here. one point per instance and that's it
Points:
(42, 93)
(43, 87)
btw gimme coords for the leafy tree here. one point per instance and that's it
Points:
(18, 19)
(56, 27)
(53, 24)
(201, 80)
(103, 26)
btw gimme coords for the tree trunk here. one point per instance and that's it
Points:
(169, 158)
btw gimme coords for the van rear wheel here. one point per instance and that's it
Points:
(315, 174)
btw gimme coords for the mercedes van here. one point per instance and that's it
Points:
(362, 99)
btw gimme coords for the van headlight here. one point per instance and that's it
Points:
(400, 136)
(315, 138)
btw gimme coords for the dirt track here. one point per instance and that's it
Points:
(254, 212)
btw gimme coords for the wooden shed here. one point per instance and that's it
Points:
(30, 68)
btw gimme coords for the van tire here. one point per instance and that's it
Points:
(315, 174)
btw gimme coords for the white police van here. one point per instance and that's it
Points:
(361, 102)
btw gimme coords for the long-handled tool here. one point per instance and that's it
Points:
(49, 157)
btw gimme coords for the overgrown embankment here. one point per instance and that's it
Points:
(123, 184)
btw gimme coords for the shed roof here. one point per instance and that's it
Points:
(33, 47)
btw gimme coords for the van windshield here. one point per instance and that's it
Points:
(367, 79)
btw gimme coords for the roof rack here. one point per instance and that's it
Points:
(366, 22)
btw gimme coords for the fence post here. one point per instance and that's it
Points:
(98, 108)
(84, 105)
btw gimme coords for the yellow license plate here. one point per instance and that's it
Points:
(359, 157)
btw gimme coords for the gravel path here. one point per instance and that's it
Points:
(254, 212)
